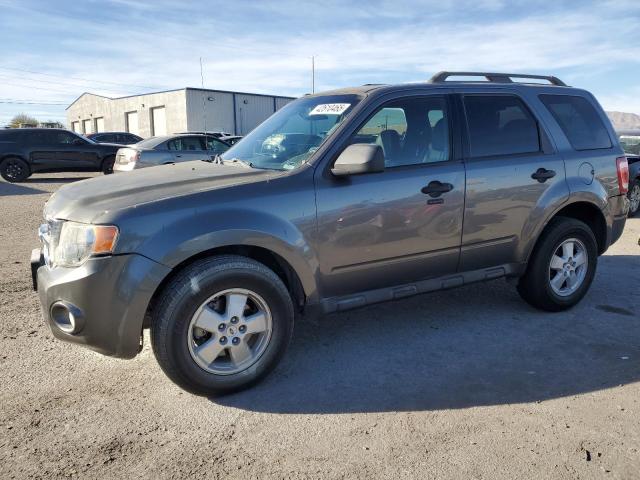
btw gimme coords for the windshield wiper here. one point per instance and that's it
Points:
(238, 160)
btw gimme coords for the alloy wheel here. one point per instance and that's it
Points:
(568, 267)
(230, 331)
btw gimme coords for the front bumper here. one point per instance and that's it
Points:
(111, 295)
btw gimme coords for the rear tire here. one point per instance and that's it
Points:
(561, 267)
(204, 334)
(634, 197)
(107, 165)
(14, 169)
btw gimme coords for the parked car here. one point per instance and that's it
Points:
(25, 151)
(119, 138)
(409, 189)
(167, 150)
(630, 141)
(231, 139)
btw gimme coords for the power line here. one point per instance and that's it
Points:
(36, 87)
(13, 77)
(82, 79)
(19, 102)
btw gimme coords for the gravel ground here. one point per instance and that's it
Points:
(468, 383)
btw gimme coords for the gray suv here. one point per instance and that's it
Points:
(339, 200)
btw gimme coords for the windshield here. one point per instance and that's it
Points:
(288, 138)
(630, 144)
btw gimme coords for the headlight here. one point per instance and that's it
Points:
(78, 241)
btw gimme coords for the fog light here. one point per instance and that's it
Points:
(67, 317)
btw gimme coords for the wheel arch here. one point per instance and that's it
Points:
(588, 213)
(270, 259)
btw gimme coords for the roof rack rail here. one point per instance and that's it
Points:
(441, 77)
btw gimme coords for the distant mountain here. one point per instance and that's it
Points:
(624, 121)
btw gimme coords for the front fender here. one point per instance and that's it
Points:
(181, 238)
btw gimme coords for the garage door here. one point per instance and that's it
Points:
(132, 122)
(99, 124)
(86, 126)
(75, 126)
(158, 121)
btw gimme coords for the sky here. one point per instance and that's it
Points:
(53, 51)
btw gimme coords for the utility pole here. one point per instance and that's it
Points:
(204, 111)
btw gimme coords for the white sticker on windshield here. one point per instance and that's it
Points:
(330, 109)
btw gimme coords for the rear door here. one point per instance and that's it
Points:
(513, 175)
(43, 148)
(187, 148)
(384, 229)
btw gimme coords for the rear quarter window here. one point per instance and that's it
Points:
(579, 120)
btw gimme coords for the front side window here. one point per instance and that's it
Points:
(500, 125)
(216, 146)
(411, 131)
(291, 135)
(185, 143)
(579, 121)
(66, 138)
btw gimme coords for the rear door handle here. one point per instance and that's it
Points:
(542, 175)
(436, 188)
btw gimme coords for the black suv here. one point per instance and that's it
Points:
(30, 150)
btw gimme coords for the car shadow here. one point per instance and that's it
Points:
(474, 346)
(7, 189)
(54, 179)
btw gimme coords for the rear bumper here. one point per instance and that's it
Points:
(108, 296)
(619, 205)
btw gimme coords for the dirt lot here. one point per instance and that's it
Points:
(469, 383)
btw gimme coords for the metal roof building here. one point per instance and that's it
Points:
(173, 111)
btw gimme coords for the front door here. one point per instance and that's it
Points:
(512, 173)
(75, 152)
(383, 229)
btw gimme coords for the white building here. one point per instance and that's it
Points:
(172, 111)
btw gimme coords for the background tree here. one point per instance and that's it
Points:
(22, 118)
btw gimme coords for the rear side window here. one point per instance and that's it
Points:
(185, 143)
(500, 125)
(10, 136)
(579, 121)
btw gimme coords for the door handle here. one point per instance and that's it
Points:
(542, 175)
(436, 188)
(179, 156)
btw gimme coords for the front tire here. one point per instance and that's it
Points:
(222, 325)
(562, 266)
(14, 170)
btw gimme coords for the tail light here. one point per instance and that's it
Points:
(622, 166)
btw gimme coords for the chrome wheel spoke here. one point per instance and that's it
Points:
(209, 350)
(235, 305)
(240, 353)
(572, 280)
(580, 259)
(557, 263)
(256, 323)
(558, 281)
(208, 319)
(567, 250)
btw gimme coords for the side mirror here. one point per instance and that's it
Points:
(359, 158)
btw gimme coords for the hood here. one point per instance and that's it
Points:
(87, 200)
